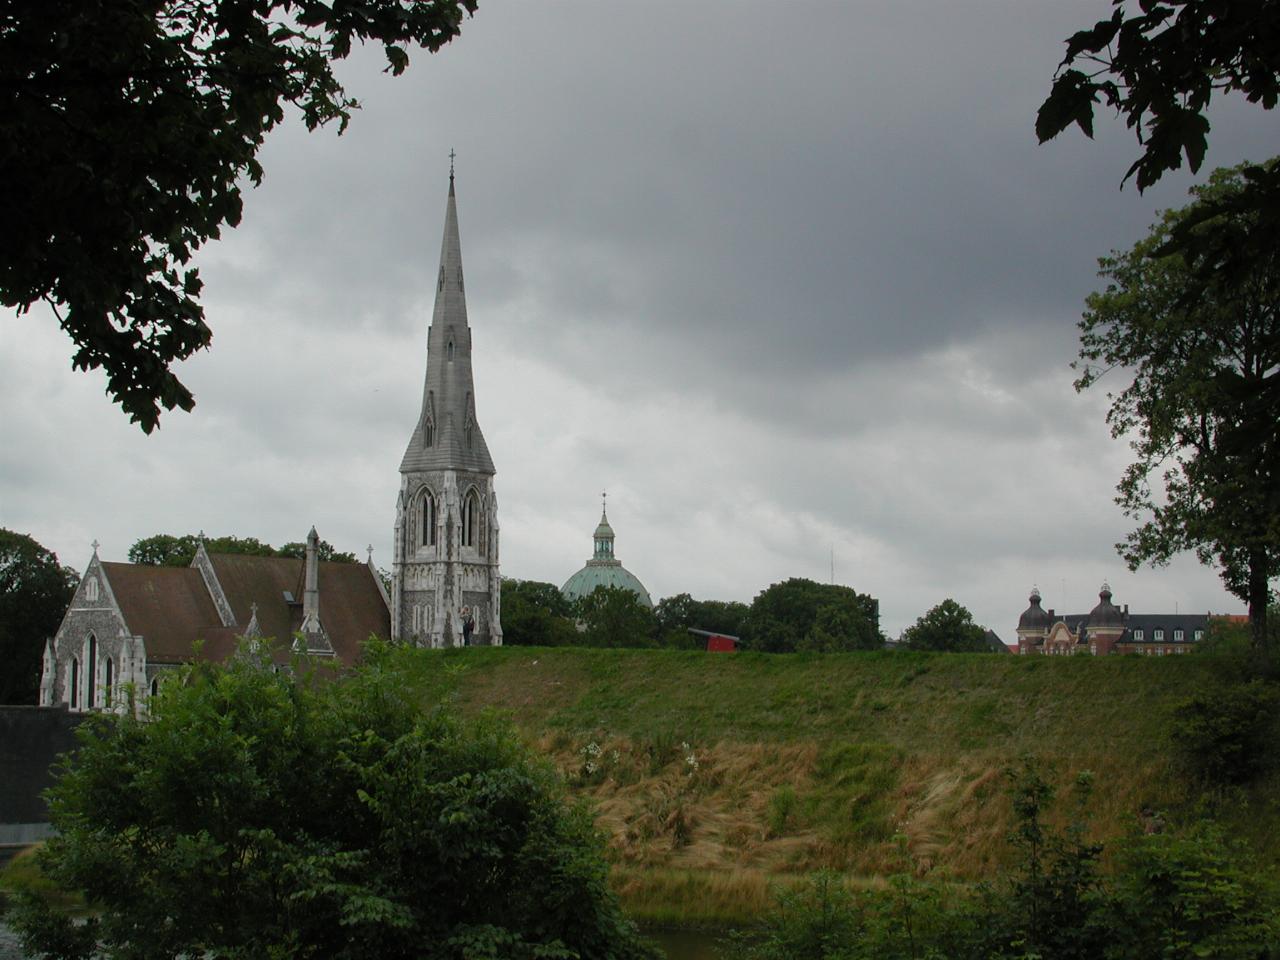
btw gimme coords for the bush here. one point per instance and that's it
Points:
(1224, 736)
(1182, 897)
(259, 815)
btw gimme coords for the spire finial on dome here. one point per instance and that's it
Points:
(1105, 589)
(1035, 592)
(604, 504)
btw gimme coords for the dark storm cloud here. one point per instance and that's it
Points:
(786, 279)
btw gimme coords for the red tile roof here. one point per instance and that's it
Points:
(171, 609)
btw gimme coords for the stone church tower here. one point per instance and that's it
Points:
(445, 563)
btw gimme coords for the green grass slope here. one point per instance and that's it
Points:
(713, 775)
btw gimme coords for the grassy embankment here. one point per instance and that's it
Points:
(795, 763)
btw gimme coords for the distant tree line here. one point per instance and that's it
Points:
(163, 550)
(793, 616)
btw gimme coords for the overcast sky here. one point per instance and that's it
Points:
(794, 283)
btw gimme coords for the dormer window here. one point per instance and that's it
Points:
(1199, 635)
(1137, 635)
(1158, 635)
(1178, 635)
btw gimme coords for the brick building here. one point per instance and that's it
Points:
(1107, 629)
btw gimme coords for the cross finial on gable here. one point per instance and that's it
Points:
(95, 546)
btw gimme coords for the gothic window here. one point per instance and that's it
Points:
(448, 352)
(428, 434)
(468, 435)
(470, 518)
(428, 520)
(91, 589)
(108, 679)
(91, 668)
(74, 699)
(155, 686)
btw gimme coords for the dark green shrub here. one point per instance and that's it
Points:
(1225, 736)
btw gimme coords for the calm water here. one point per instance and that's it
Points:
(677, 944)
(689, 944)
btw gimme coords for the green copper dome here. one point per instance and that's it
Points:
(604, 570)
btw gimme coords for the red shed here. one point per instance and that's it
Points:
(717, 642)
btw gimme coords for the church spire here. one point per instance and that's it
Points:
(447, 435)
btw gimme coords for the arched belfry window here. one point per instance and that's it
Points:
(470, 518)
(428, 519)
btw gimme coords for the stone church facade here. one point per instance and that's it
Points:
(446, 590)
(128, 624)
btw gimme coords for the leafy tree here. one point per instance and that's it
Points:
(259, 814)
(126, 132)
(324, 551)
(1203, 407)
(1196, 895)
(535, 614)
(615, 617)
(1159, 67)
(34, 592)
(948, 626)
(163, 550)
(801, 614)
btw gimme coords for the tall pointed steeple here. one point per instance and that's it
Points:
(447, 434)
(445, 566)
